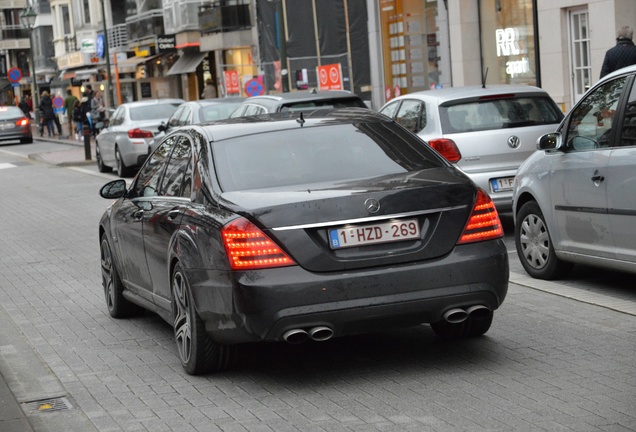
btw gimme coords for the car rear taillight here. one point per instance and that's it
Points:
(139, 133)
(484, 223)
(22, 122)
(249, 248)
(447, 148)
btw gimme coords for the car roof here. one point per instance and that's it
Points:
(242, 126)
(152, 102)
(299, 96)
(217, 101)
(625, 70)
(472, 92)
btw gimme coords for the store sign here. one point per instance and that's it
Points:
(88, 46)
(509, 43)
(166, 43)
(232, 82)
(99, 45)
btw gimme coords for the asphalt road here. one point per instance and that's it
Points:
(552, 360)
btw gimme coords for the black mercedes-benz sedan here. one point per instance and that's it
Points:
(295, 227)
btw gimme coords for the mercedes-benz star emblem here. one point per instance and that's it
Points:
(372, 205)
(513, 142)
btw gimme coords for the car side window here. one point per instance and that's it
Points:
(412, 115)
(147, 181)
(186, 116)
(118, 117)
(628, 131)
(174, 118)
(390, 109)
(591, 122)
(174, 183)
(254, 110)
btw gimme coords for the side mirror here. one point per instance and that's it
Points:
(162, 127)
(114, 189)
(551, 141)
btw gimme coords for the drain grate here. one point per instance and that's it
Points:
(49, 405)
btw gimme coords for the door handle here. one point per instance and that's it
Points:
(172, 214)
(597, 178)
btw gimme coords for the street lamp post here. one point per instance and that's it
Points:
(28, 17)
(107, 55)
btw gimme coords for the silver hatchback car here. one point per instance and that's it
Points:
(123, 143)
(575, 199)
(488, 132)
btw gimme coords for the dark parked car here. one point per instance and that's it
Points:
(194, 112)
(14, 125)
(295, 227)
(297, 101)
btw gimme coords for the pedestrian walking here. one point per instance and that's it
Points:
(47, 113)
(209, 91)
(97, 111)
(623, 54)
(79, 118)
(69, 105)
(86, 114)
(24, 106)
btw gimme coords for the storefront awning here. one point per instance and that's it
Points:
(67, 75)
(187, 63)
(84, 74)
(130, 64)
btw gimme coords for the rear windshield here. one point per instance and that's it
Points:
(324, 103)
(499, 114)
(319, 154)
(153, 112)
(9, 112)
(217, 112)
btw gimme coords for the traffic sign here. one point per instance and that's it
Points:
(58, 102)
(14, 74)
(254, 87)
(232, 82)
(330, 77)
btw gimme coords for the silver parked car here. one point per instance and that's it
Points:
(123, 143)
(488, 132)
(575, 199)
(14, 125)
(298, 101)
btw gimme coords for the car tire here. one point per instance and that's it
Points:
(473, 326)
(122, 169)
(197, 351)
(534, 245)
(117, 305)
(100, 163)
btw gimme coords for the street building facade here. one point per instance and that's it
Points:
(378, 49)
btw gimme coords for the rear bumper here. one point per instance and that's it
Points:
(263, 305)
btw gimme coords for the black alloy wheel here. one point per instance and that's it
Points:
(122, 169)
(118, 306)
(197, 351)
(100, 163)
(534, 245)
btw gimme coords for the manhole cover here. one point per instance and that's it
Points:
(49, 405)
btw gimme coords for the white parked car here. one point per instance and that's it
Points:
(575, 199)
(486, 131)
(123, 143)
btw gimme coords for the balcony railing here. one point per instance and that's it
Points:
(216, 18)
(11, 32)
(144, 25)
(118, 36)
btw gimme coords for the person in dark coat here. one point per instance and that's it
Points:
(47, 113)
(623, 54)
(24, 106)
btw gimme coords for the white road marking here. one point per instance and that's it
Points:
(7, 165)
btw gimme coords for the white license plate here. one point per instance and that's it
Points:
(371, 234)
(503, 184)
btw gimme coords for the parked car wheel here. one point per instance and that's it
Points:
(118, 306)
(534, 245)
(122, 169)
(473, 326)
(197, 351)
(100, 163)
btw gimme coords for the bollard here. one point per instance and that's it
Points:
(87, 141)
